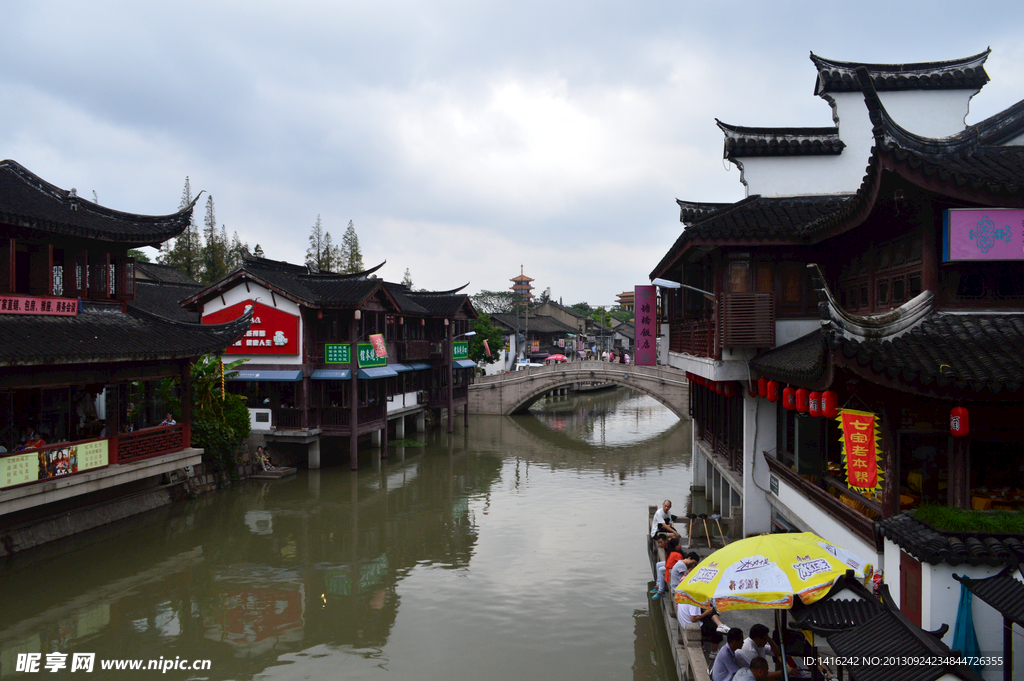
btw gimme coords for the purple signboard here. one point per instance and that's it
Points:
(985, 234)
(646, 312)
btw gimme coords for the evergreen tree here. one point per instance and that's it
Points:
(235, 251)
(330, 257)
(139, 256)
(185, 253)
(215, 250)
(407, 279)
(258, 251)
(351, 256)
(317, 243)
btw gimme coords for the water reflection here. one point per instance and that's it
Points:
(508, 550)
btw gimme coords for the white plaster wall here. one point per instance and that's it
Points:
(759, 427)
(402, 401)
(238, 294)
(940, 601)
(797, 507)
(938, 113)
(891, 565)
(788, 330)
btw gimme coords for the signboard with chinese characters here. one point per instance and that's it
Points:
(646, 311)
(460, 349)
(379, 346)
(64, 307)
(367, 356)
(18, 469)
(535, 346)
(272, 331)
(337, 353)
(985, 234)
(861, 449)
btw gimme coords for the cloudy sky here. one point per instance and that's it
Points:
(463, 138)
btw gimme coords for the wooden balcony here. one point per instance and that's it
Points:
(746, 320)
(286, 418)
(693, 337)
(413, 350)
(148, 442)
(335, 417)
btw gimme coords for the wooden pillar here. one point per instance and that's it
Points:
(960, 475)
(305, 397)
(353, 440)
(890, 471)
(384, 439)
(186, 403)
(449, 362)
(113, 410)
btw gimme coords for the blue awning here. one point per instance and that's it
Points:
(258, 375)
(377, 372)
(400, 367)
(464, 364)
(420, 366)
(331, 374)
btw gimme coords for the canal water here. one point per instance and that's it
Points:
(513, 549)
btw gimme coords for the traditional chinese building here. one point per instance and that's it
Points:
(80, 363)
(876, 265)
(340, 355)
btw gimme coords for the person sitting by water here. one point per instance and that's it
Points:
(757, 671)
(726, 664)
(673, 555)
(760, 646)
(663, 520)
(680, 569)
(711, 627)
(661, 539)
(169, 420)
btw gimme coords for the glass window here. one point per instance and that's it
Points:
(885, 257)
(763, 277)
(915, 285)
(883, 292)
(791, 284)
(915, 248)
(901, 254)
(899, 289)
(972, 285)
(864, 295)
(739, 277)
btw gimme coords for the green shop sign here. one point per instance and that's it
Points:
(367, 356)
(337, 353)
(460, 350)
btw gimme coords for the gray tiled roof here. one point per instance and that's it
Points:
(26, 200)
(956, 74)
(102, 333)
(741, 142)
(929, 545)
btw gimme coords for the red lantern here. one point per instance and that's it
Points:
(729, 388)
(762, 386)
(958, 422)
(773, 391)
(829, 404)
(789, 398)
(719, 388)
(815, 404)
(801, 400)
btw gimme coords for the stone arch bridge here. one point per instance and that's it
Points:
(515, 391)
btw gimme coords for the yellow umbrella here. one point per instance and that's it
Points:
(767, 572)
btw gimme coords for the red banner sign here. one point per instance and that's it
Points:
(65, 307)
(272, 331)
(645, 312)
(379, 346)
(860, 449)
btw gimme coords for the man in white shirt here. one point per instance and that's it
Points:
(759, 645)
(663, 520)
(711, 626)
(757, 671)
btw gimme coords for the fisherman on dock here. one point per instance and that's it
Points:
(663, 520)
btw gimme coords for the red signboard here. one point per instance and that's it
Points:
(860, 449)
(272, 332)
(65, 307)
(379, 346)
(646, 314)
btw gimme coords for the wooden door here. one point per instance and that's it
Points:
(910, 588)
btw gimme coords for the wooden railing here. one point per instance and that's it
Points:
(286, 418)
(732, 456)
(374, 412)
(412, 350)
(857, 522)
(746, 320)
(147, 442)
(694, 337)
(335, 417)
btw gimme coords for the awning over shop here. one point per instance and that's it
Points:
(464, 364)
(331, 374)
(377, 372)
(400, 368)
(258, 375)
(420, 366)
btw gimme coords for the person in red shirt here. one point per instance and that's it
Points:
(674, 555)
(35, 441)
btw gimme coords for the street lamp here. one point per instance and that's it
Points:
(665, 283)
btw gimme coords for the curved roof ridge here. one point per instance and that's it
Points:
(30, 201)
(235, 326)
(953, 74)
(438, 293)
(334, 276)
(728, 128)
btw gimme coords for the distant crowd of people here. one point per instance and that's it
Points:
(742, 659)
